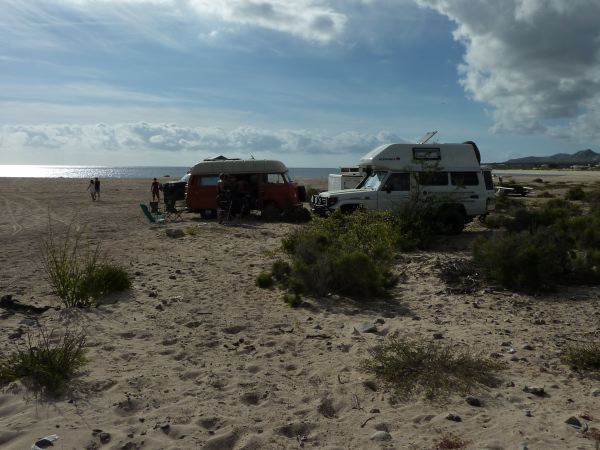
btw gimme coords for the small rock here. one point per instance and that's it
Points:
(381, 436)
(174, 233)
(509, 384)
(528, 413)
(528, 347)
(573, 421)
(438, 336)
(535, 390)
(165, 428)
(374, 411)
(539, 322)
(506, 344)
(511, 350)
(454, 417)
(596, 392)
(152, 294)
(380, 321)
(172, 277)
(473, 401)
(104, 437)
(523, 447)
(366, 327)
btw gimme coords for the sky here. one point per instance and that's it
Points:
(314, 83)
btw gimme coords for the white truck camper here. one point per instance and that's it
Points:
(348, 178)
(450, 175)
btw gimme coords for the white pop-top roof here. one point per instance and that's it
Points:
(238, 166)
(411, 157)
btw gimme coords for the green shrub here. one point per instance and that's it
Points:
(575, 193)
(47, 364)
(551, 212)
(74, 269)
(192, 230)
(538, 180)
(416, 366)
(583, 356)
(292, 299)
(335, 253)
(522, 261)
(281, 270)
(264, 280)
(105, 279)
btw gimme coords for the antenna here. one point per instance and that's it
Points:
(251, 156)
(427, 136)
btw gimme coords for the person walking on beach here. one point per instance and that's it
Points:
(97, 187)
(92, 190)
(155, 189)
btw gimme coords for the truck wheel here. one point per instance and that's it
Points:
(452, 221)
(270, 211)
(208, 213)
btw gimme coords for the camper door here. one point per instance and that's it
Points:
(394, 191)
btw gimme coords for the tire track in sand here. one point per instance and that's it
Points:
(23, 210)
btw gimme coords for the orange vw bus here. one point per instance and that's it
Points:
(269, 186)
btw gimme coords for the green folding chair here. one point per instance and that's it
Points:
(157, 219)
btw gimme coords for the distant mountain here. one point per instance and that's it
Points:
(581, 157)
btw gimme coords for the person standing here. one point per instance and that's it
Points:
(155, 189)
(97, 187)
(92, 190)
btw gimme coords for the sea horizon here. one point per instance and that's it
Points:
(91, 171)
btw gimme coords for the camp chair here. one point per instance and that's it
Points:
(154, 208)
(156, 219)
(171, 210)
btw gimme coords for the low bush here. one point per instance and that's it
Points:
(583, 356)
(292, 299)
(350, 254)
(549, 213)
(74, 269)
(47, 360)
(264, 280)
(410, 367)
(281, 270)
(105, 279)
(538, 180)
(575, 193)
(522, 261)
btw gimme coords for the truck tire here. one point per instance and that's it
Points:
(208, 213)
(270, 212)
(451, 220)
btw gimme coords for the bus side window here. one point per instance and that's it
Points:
(275, 178)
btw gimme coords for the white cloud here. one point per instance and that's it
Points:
(311, 20)
(537, 62)
(141, 136)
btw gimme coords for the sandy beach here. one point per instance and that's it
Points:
(196, 356)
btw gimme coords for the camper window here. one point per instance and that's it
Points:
(398, 182)
(433, 178)
(208, 180)
(275, 178)
(464, 179)
(427, 153)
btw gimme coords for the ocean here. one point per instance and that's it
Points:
(27, 171)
